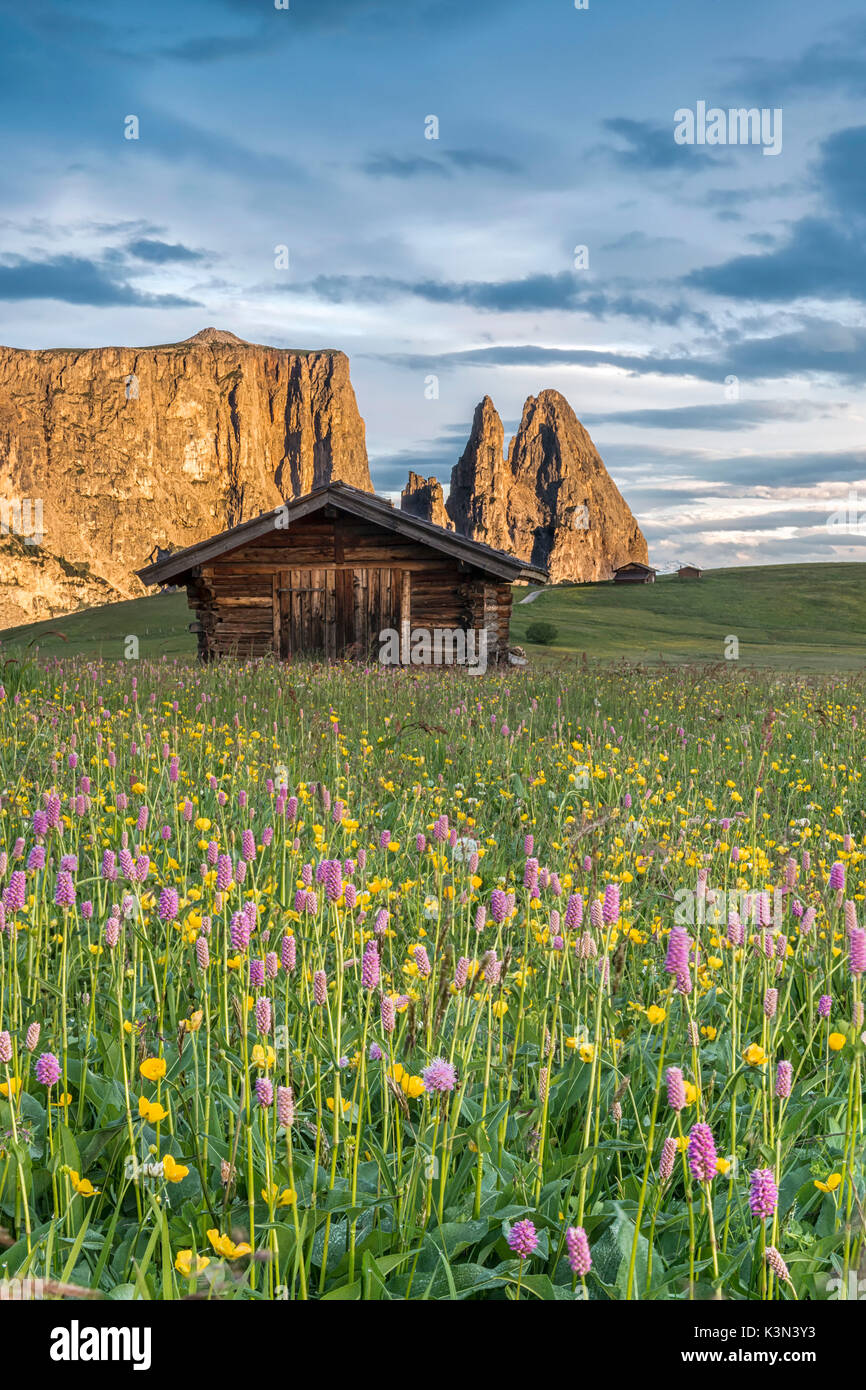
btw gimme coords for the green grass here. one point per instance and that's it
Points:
(161, 624)
(787, 617)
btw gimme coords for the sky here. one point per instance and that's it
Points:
(478, 197)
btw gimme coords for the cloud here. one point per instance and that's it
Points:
(356, 14)
(162, 252)
(530, 294)
(276, 28)
(727, 415)
(391, 166)
(819, 260)
(216, 48)
(834, 64)
(698, 474)
(821, 256)
(842, 170)
(422, 166)
(481, 159)
(76, 280)
(651, 147)
(773, 519)
(819, 347)
(639, 241)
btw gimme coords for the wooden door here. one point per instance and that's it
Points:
(337, 612)
(368, 602)
(306, 607)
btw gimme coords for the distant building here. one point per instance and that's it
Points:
(634, 573)
(689, 572)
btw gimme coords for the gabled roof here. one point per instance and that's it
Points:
(635, 565)
(353, 500)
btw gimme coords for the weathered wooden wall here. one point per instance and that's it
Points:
(330, 585)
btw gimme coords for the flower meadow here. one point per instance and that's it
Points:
(332, 983)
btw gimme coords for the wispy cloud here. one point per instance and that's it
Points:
(445, 165)
(541, 293)
(162, 252)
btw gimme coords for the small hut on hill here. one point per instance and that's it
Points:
(634, 573)
(325, 574)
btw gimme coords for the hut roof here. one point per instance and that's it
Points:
(365, 505)
(635, 565)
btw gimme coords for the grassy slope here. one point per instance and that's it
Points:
(160, 623)
(809, 617)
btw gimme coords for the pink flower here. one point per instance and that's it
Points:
(441, 1075)
(577, 1245)
(702, 1153)
(523, 1238)
(47, 1069)
(676, 1088)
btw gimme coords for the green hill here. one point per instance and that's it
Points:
(806, 617)
(160, 623)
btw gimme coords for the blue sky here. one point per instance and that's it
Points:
(455, 257)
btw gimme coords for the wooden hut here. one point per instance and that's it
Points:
(634, 573)
(689, 572)
(325, 574)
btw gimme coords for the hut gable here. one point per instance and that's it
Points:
(634, 573)
(325, 574)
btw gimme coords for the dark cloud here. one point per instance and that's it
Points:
(819, 348)
(841, 170)
(443, 166)
(730, 199)
(819, 259)
(651, 147)
(821, 256)
(566, 290)
(738, 475)
(162, 252)
(638, 241)
(481, 159)
(75, 280)
(217, 48)
(727, 415)
(836, 63)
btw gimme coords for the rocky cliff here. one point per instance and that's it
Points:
(423, 497)
(551, 501)
(478, 500)
(128, 448)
